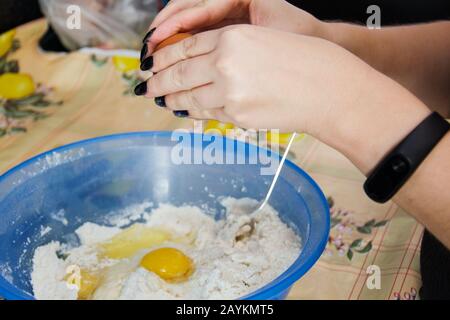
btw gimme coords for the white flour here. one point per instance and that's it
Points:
(232, 257)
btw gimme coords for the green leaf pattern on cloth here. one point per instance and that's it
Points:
(342, 223)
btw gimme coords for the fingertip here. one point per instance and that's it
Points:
(147, 64)
(148, 35)
(141, 89)
(181, 113)
(165, 30)
(144, 52)
(150, 48)
(161, 102)
(157, 38)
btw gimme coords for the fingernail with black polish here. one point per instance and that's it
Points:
(141, 89)
(144, 51)
(147, 64)
(148, 35)
(160, 102)
(181, 114)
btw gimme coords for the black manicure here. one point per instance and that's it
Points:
(148, 35)
(147, 64)
(144, 51)
(160, 102)
(181, 114)
(141, 89)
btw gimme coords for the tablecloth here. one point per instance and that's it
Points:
(81, 95)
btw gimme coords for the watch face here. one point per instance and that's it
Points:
(388, 178)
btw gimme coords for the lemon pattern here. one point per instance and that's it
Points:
(128, 67)
(22, 101)
(7, 42)
(131, 73)
(16, 85)
(125, 64)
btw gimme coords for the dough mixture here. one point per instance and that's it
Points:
(172, 253)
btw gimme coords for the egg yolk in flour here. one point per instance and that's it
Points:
(170, 264)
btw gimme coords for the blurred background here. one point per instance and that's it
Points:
(16, 12)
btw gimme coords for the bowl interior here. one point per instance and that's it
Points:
(89, 180)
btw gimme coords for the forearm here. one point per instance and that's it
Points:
(391, 113)
(416, 56)
(426, 195)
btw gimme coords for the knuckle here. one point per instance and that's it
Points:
(177, 74)
(193, 100)
(229, 36)
(188, 46)
(182, 101)
(152, 86)
(196, 115)
(158, 60)
(171, 101)
(233, 34)
(224, 64)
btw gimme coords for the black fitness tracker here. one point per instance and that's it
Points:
(395, 169)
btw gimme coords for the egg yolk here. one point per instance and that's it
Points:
(172, 40)
(170, 264)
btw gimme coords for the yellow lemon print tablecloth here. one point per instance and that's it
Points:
(48, 100)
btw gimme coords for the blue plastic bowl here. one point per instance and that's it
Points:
(91, 178)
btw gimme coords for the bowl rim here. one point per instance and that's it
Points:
(268, 291)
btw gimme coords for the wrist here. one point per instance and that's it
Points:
(378, 123)
(296, 20)
(349, 36)
(335, 32)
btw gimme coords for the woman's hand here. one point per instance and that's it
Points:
(200, 15)
(257, 78)
(262, 78)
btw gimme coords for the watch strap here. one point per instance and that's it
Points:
(398, 166)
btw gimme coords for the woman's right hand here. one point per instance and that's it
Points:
(200, 15)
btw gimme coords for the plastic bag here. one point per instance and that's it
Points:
(107, 24)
